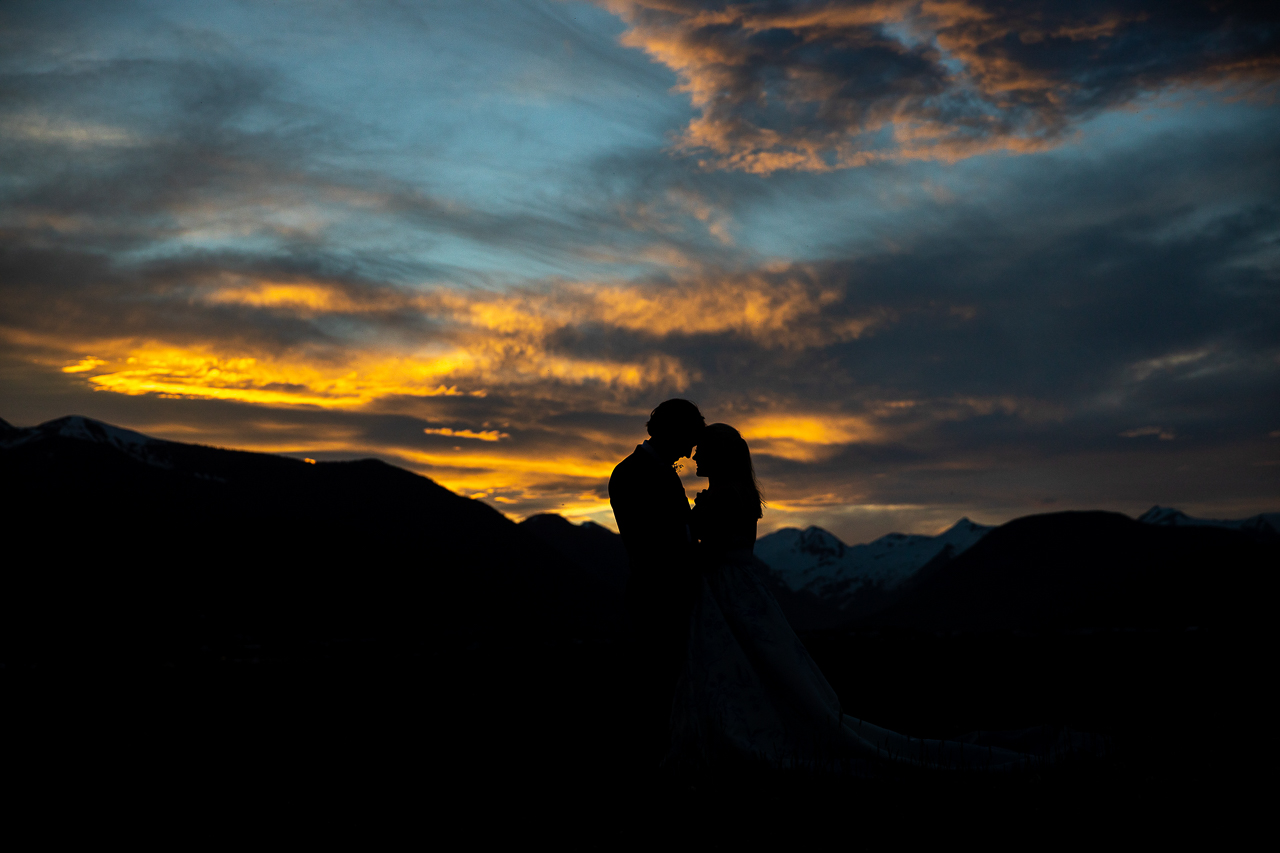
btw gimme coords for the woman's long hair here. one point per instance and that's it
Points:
(728, 448)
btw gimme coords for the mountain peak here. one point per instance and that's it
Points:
(1266, 523)
(547, 519)
(963, 524)
(817, 560)
(815, 540)
(144, 448)
(1164, 515)
(87, 429)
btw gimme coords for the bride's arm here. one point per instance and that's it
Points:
(707, 520)
(696, 517)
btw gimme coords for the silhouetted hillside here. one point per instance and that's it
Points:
(595, 549)
(1080, 570)
(134, 546)
(600, 551)
(1073, 570)
(171, 548)
(355, 621)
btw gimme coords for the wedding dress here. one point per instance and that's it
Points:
(748, 688)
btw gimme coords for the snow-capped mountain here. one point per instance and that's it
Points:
(818, 562)
(144, 448)
(1265, 522)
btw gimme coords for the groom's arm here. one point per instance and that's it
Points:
(653, 526)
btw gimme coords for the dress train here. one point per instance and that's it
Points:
(748, 687)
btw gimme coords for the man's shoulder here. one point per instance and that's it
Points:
(637, 457)
(634, 465)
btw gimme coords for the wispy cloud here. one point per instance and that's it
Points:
(1159, 432)
(41, 129)
(483, 435)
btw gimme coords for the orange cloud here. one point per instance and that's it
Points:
(272, 379)
(806, 438)
(348, 378)
(788, 310)
(483, 435)
(299, 297)
(488, 340)
(84, 365)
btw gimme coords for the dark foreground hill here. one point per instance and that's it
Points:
(597, 550)
(1091, 570)
(1086, 619)
(124, 546)
(259, 628)
(1066, 571)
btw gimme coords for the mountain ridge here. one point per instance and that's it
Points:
(847, 576)
(265, 546)
(1267, 523)
(167, 548)
(1091, 570)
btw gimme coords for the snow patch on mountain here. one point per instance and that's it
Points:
(141, 447)
(1265, 522)
(816, 560)
(85, 429)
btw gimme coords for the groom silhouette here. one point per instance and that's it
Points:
(652, 512)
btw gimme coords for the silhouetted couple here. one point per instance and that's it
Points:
(718, 670)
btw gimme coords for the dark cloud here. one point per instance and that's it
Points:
(820, 85)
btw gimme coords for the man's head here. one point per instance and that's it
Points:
(675, 427)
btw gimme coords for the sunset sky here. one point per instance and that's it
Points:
(934, 259)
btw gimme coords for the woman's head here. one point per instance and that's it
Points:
(723, 454)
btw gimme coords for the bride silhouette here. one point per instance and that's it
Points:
(745, 686)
